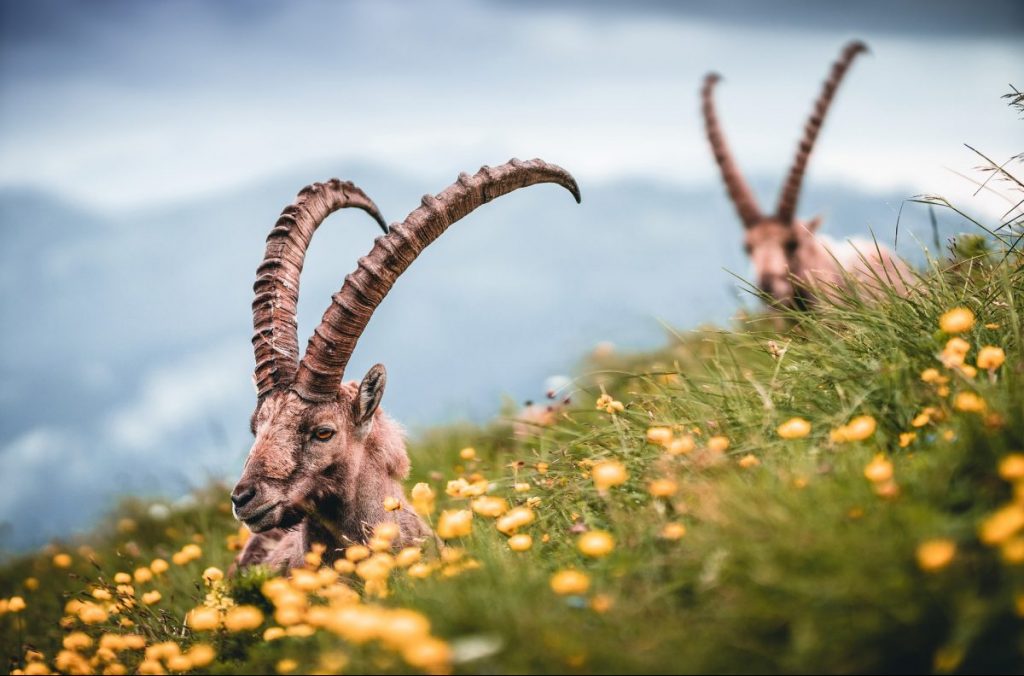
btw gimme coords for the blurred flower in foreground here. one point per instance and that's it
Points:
(608, 473)
(794, 428)
(609, 405)
(596, 543)
(957, 320)
(566, 582)
(933, 555)
(990, 358)
(455, 524)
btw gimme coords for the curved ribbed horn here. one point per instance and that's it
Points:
(334, 340)
(791, 188)
(275, 336)
(739, 191)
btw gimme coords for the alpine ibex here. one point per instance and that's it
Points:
(793, 265)
(325, 457)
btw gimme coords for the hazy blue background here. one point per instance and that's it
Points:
(147, 148)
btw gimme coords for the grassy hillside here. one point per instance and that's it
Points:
(846, 495)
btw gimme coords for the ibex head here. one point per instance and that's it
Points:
(315, 436)
(775, 242)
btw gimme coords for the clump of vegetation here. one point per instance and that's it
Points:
(846, 495)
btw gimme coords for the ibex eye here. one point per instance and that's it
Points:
(323, 433)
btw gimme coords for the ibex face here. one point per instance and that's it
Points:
(304, 451)
(777, 252)
(780, 247)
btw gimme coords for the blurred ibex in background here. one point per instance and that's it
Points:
(326, 458)
(792, 264)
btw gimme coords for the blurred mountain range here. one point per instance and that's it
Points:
(126, 361)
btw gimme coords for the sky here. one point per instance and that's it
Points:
(125, 104)
(146, 149)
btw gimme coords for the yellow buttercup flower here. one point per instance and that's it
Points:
(794, 428)
(391, 504)
(608, 473)
(455, 524)
(151, 597)
(990, 358)
(489, 506)
(515, 519)
(468, 453)
(158, 566)
(663, 488)
(907, 438)
(243, 618)
(1002, 524)
(934, 555)
(609, 405)
(682, 445)
(718, 444)
(672, 531)
(62, 560)
(203, 618)
(879, 470)
(570, 582)
(1011, 467)
(957, 320)
(660, 436)
(969, 402)
(520, 542)
(748, 461)
(596, 543)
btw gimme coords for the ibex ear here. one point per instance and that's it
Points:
(371, 390)
(814, 224)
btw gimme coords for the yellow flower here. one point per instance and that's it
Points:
(672, 531)
(522, 487)
(933, 555)
(423, 499)
(489, 506)
(151, 597)
(468, 453)
(203, 618)
(407, 557)
(1012, 551)
(957, 320)
(273, 633)
(609, 405)
(179, 663)
(794, 428)
(201, 655)
(419, 570)
(718, 444)
(515, 519)
(429, 654)
(662, 488)
(570, 582)
(455, 524)
(932, 375)
(1011, 467)
(969, 402)
(101, 594)
(1001, 525)
(77, 640)
(151, 667)
(286, 666)
(31, 583)
(748, 461)
(907, 438)
(62, 560)
(520, 542)
(211, 575)
(142, 575)
(192, 551)
(955, 352)
(860, 428)
(990, 358)
(660, 436)
(16, 604)
(386, 530)
(596, 543)
(158, 566)
(922, 418)
(608, 473)
(122, 578)
(243, 618)
(357, 553)
(90, 613)
(879, 470)
(682, 445)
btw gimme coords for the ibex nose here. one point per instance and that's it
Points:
(243, 493)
